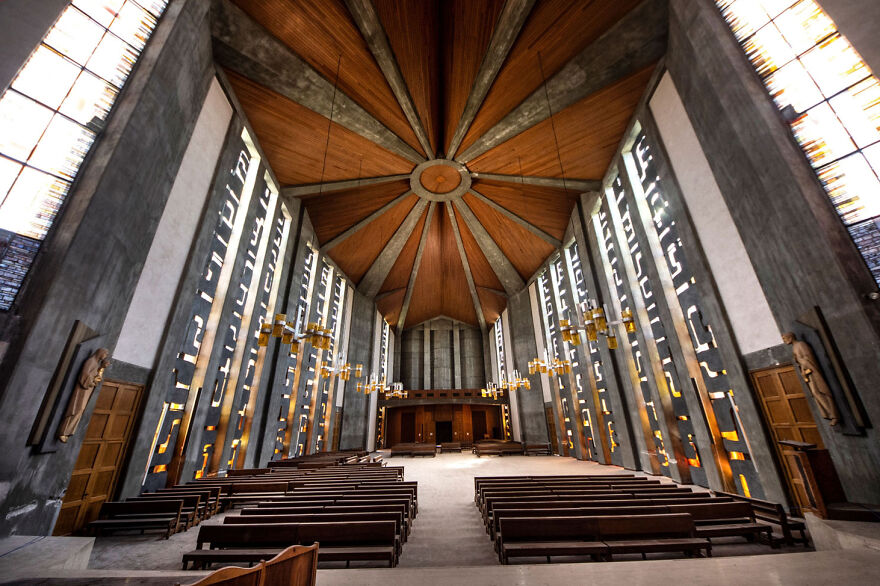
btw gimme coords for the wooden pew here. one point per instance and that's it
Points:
(450, 447)
(646, 534)
(536, 449)
(138, 515)
(210, 497)
(295, 566)
(189, 513)
(358, 540)
(774, 513)
(550, 536)
(725, 520)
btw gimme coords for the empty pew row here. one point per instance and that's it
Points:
(297, 565)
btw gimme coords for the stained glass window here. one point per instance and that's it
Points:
(52, 114)
(830, 98)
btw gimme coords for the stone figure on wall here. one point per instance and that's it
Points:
(808, 367)
(90, 376)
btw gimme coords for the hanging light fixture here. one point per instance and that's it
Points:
(316, 334)
(549, 365)
(592, 319)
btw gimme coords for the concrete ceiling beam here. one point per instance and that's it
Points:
(377, 273)
(635, 42)
(243, 46)
(578, 185)
(328, 187)
(520, 221)
(354, 228)
(367, 20)
(415, 269)
(478, 307)
(510, 22)
(504, 269)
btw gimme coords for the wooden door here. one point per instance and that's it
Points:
(103, 450)
(408, 427)
(788, 416)
(478, 419)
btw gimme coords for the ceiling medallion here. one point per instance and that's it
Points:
(440, 180)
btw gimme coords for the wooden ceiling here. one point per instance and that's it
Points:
(380, 233)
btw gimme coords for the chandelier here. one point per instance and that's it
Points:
(341, 368)
(314, 333)
(375, 385)
(549, 365)
(591, 318)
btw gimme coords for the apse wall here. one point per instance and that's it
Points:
(442, 354)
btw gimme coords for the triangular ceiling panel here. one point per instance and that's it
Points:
(295, 140)
(525, 251)
(333, 213)
(548, 208)
(466, 32)
(558, 30)
(389, 305)
(441, 285)
(588, 131)
(357, 253)
(398, 276)
(412, 27)
(481, 270)
(492, 304)
(323, 34)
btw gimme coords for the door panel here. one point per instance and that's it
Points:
(789, 417)
(100, 458)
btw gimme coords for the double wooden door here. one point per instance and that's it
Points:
(101, 456)
(788, 416)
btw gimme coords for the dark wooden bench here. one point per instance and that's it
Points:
(138, 515)
(332, 508)
(571, 512)
(774, 513)
(450, 447)
(646, 534)
(423, 450)
(350, 541)
(536, 449)
(325, 517)
(210, 497)
(190, 514)
(729, 519)
(550, 536)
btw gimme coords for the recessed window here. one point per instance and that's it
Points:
(52, 114)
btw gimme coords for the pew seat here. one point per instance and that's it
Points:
(138, 515)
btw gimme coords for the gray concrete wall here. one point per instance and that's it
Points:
(430, 358)
(355, 406)
(800, 250)
(531, 403)
(859, 21)
(90, 264)
(23, 24)
(473, 371)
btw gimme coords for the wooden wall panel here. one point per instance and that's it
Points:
(526, 251)
(548, 208)
(398, 276)
(295, 139)
(332, 213)
(355, 254)
(467, 28)
(589, 132)
(559, 30)
(320, 31)
(412, 27)
(480, 268)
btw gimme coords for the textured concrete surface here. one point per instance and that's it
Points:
(20, 552)
(837, 535)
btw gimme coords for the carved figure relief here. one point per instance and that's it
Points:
(90, 376)
(808, 367)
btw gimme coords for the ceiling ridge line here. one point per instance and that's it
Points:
(363, 222)
(415, 269)
(516, 218)
(367, 20)
(579, 185)
(478, 306)
(510, 22)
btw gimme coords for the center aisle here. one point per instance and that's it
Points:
(448, 530)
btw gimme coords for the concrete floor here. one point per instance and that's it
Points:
(447, 532)
(449, 545)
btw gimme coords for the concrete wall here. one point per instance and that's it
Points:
(23, 24)
(800, 251)
(859, 21)
(91, 263)
(442, 354)
(533, 424)
(355, 406)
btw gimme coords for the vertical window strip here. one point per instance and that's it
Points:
(830, 98)
(52, 114)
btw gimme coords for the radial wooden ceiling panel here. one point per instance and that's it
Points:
(526, 251)
(441, 285)
(331, 214)
(589, 132)
(548, 208)
(467, 28)
(324, 35)
(412, 27)
(492, 305)
(355, 254)
(295, 139)
(390, 305)
(481, 270)
(398, 276)
(558, 30)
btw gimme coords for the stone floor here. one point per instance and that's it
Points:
(447, 532)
